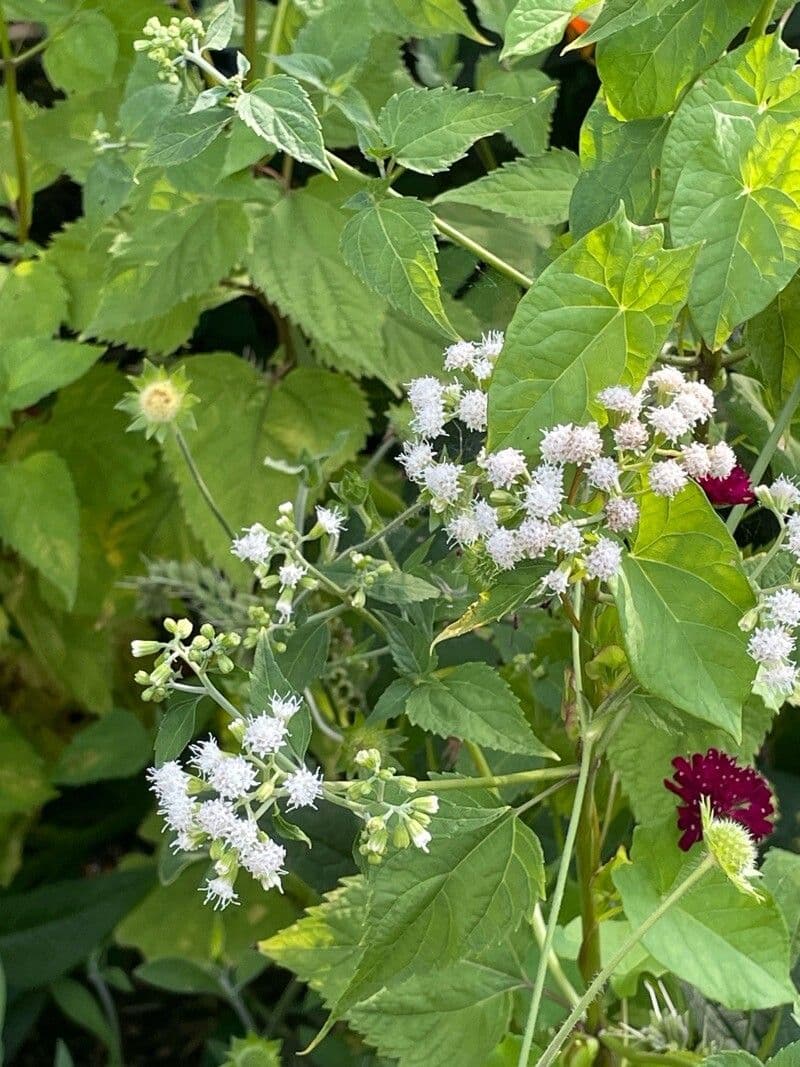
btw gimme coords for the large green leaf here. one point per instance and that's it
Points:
(82, 56)
(31, 368)
(739, 194)
(595, 317)
(531, 133)
(32, 300)
(116, 746)
(430, 18)
(744, 962)
(774, 341)
(184, 135)
(646, 67)
(534, 25)
(390, 245)
(24, 783)
(279, 110)
(537, 190)
(39, 518)
(781, 872)
(428, 129)
(681, 593)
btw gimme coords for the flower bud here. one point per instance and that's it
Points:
(732, 847)
(427, 804)
(145, 648)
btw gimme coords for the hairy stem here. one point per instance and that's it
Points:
(278, 22)
(600, 979)
(24, 195)
(497, 781)
(205, 492)
(250, 31)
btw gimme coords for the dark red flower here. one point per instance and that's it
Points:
(735, 792)
(735, 489)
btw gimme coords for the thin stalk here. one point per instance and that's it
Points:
(497, 781)
(566, 856)
(115, 1056)
(390, 527)
(446, 230)
(600, 979)
(758, 27)
(478, 758)
(766, 453)
(215, 694)
(24, 195)
(553, 962)
(319, 721)
(205, 492)
(29, 53)
(250, 31)
(544, 795)
(342, 594)
(587, 861)
(278, 22)
(235, 1000)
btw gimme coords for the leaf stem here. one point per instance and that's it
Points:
(765, 455)
(497, 781)
(553, 962)
(278, 22)
(250, 42)
(600, 979)
(24, 196)
(205, 492)
(758, 27)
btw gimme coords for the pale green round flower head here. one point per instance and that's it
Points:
(159, 401)
(732, 847)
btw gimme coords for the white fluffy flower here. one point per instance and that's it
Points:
(265, 862)
(504, 467)
(290, 574)
(622, 514)
(545, 493)
(585, 444)
(779, 678)
(253, 546)
(459, 356)
(567, 538)
(793, 535)
(429, 420)
(785, 493)
(667, 478)
(472, 409)
(491, 344)
(696, 401)
(284, 707)
(303, 787)
(557, 581)
(331, 520)
(603, 474)
(221, 892)
(669, 421)
(233, 777)
(668, 380)
(242, 834)
(604, 559)
(205, 755)
(618, 398)
(503, 548)
(783, 607)
(482, 368)
(534, 537)
(721, 460)
(216, 818)
(631, 436)
(463, 529)
(170, 783)
(264, 734)
(416, 457)
(556, 442)
(485, 517)
(442, 482)
(770, 644)
(696, 461)
(422, 391)
(427, 400)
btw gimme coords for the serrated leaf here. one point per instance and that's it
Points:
(32, 300)
(428, 129)
(220, 26)
(511, 589)
(739, 194)
(531, 133)
(781, 871)
(183, 136)
(537, 190)
(39, 518)
(680, 594)
(390, 245)
(534, 25)
(279, 110)
(175, 727)
(82, 57)
(31, 368)
(596, 317)
(306, 654)
(116, 746)
(430, 18)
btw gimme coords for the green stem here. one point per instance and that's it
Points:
(250, 32)
(390, 527)
(342, 594)
(566, 856)
(765, 455)
(446, 230)
(758, 27)
(115, 1056)
(768, 1041)
(24, 195)
(275, 35)
(553, 962)
(600, 979)
(497, 781)
(478, 758)
(205, 492)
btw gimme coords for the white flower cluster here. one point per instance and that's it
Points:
(772, 642)
(219, 802)
(499, 506)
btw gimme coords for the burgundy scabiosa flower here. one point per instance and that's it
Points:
(734, 792)
(725, 492)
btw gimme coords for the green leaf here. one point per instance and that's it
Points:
(428, 129)
(279, 110)
(619, 161)
(781, 871)
(253, 1051)
(400, 587)
(477, 884)
(680, 594)
(220, 26)
(306, 655)
(117, 746)
(596, 317)
(534, 25)
(80, 1007)
(31, 368)
(773, 338)
(265, 680)
(390, 245)
(537, 190)
(24, 783)
(431, 18)
(511, 589)
(32, 300)
(531, 133)
(176, 727)
(739, 194)
(83, 56)
(178, 975)
(39, 518)
(182, 136)
(472, 702)
(646, 67)
(745, 959)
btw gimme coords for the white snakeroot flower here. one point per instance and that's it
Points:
(168, 779)
(242, 834)
(670, 422)
(253, 546)
(770, 644)
(429, 420)
(170, 783)
(472, 409)
(545, 493)
(567, 539)
(696, 461)
(423, 391)
(668, 380)
(503, 548)
(667, 478)
(290, 574)
(463, 528)
(722, 460)
(783, 607)
(485, 517)
(233, 777)
(555, 443)
(216, 818)
(622, 514)
(779, 679)
(284, 707)
(504, 467)
(603, 474)
(534, 537)
(793, 535)
(631, 436)
(491, 344)
(784, 493)
(442, 482)
(264, 734)
(221, 892)
(585, 444)
(557, 581)
(459, 356)
(416, 457)
(331, 520)
(604, 559)
(265, 861)
(482, 368)
(696, 401)
(303, 787)
(618, 398)
(205, 755)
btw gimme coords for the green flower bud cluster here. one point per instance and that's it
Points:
(166, 43)
(207, 650)
(367, 570)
